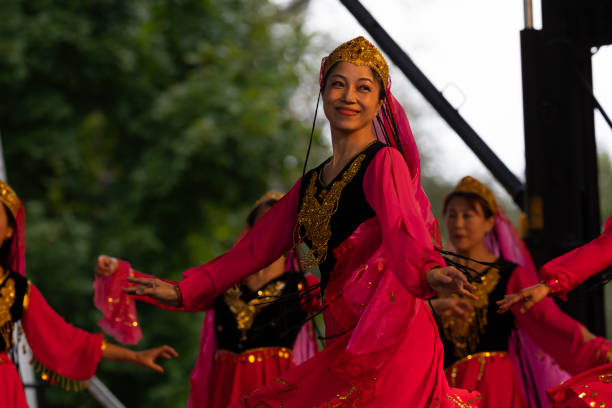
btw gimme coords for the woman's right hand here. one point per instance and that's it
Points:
(106, 266)
(162, 291)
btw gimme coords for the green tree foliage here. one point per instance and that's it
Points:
(143, 129)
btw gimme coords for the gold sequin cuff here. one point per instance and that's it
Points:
(554, 285)
(103, 345)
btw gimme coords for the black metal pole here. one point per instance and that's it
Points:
(499, 170)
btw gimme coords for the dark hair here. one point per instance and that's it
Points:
(473, 201)
(254, 214)
(381, 93)
(5, 249)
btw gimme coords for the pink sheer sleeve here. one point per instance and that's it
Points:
(406, 240)
(567, 271)
(555, 332)
(120, 318)
(62, 351)
(271, 236)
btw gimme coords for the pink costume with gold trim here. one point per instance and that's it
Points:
(385, 349)
(65, 355)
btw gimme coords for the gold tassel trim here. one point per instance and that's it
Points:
(58, 380)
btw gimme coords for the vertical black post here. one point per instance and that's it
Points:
(561, 158)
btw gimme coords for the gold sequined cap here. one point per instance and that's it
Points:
(270, 195)
(359, 51)
(9, 198)
(469, 185)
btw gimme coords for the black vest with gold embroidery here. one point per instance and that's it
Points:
(485, 329)
(330, 214)
(13, 289)
(269, 317)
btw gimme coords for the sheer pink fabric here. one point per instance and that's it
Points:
(411, 156)
(120, 319)
(573, 268)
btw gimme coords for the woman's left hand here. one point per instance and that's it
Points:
(146, 358)
(529, 297)
(450, 280)
(162, 291)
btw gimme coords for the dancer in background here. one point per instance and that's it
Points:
(592, 388)
(252, 333)
(65, 355)
(370, 230)
(504, 356)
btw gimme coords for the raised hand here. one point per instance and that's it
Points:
(529, 297)
(106, 266)
(162, 291)
(450, 280)
(146, 358)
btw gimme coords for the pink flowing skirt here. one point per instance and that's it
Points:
(11, 390)
(493, 375)
(592, 388)
(236, 375)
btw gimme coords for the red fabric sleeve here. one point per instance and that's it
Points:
(406, 240)
(64, 349)
(573, 268)
(269, 238)
(555, 332)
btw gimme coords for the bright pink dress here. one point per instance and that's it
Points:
(64, 355)
(383, 348)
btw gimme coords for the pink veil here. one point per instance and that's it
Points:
(18, 246)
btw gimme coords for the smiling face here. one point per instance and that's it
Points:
(466, 223)
(351, 97)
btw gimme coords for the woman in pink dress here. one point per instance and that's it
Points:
(591, 388)
(63, 355)
(511, 359)
(252, 333)
(369, 229)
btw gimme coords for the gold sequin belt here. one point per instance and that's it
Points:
(481, 357)
(254, 355)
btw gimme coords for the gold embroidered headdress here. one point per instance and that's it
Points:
(9, 198)
(359, 51)
(270, 195)
(469, 185)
